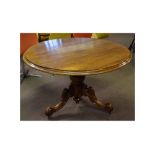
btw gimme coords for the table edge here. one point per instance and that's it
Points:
(77, 73)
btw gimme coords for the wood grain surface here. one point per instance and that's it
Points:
(77, 56)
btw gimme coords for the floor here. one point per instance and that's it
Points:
(116, 87)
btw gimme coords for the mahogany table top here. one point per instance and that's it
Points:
(77, 56)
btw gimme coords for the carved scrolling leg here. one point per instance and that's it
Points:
(64, 98)
(91, 95)
(77, 89)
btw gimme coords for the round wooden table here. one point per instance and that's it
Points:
(77, 57)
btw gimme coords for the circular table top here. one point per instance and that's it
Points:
(77, 56)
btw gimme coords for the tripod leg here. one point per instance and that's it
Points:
(64, 98)
(91, 95)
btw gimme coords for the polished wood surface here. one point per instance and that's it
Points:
(77, 56)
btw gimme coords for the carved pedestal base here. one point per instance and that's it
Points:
(77, 89)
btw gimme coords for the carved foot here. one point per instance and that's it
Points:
(52, 109)
(49, 111)
(105, 106)
(108, 107)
